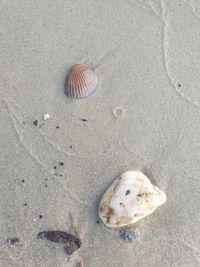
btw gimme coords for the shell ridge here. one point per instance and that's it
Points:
(81, 81)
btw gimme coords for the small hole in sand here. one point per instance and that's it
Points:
(118, 112)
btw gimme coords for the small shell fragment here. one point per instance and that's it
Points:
(129, 198)
(71, 242)
(46, 116)
(81, 81)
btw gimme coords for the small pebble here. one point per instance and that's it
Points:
(61, 163)
(35, 122)
(127, 235)
(40, 216)
(57, 127)
(23, 181)
(84, 120)
(98, 221)
(46, 116)
(25, 204)
(13, 240)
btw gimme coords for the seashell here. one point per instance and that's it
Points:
(129, 198)
(81, 81)
(71, 242)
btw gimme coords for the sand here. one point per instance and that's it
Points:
(144, 115)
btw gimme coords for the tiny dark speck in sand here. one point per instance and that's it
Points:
(23, 181)
(57, 127)
(179, 85)
(25, 204)
(35, 122)
(98, 221)
(127, 234)
(84, 120)
(13, 241)
(40, 216)
(61, 163)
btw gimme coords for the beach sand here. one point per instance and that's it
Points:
(144, 115)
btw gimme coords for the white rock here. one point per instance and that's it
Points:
(129, 198)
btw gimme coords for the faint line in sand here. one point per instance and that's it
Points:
(154, 10)
(193, 248)
(192, 9)
(149, 8)
(166, 58)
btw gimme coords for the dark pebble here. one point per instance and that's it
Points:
(40, 216)
(35, 122)
(84, 120)
(127, 235)
(70, 146)
(57, 127)
(98, 221)
(23, 181)
(12, 241)
(61, 163)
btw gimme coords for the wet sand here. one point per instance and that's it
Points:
(144, 115)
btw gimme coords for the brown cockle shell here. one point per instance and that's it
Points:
(81, 81)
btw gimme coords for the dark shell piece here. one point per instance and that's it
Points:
(71, 242)
(70, 248)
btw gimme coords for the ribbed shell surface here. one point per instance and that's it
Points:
(81, 81)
